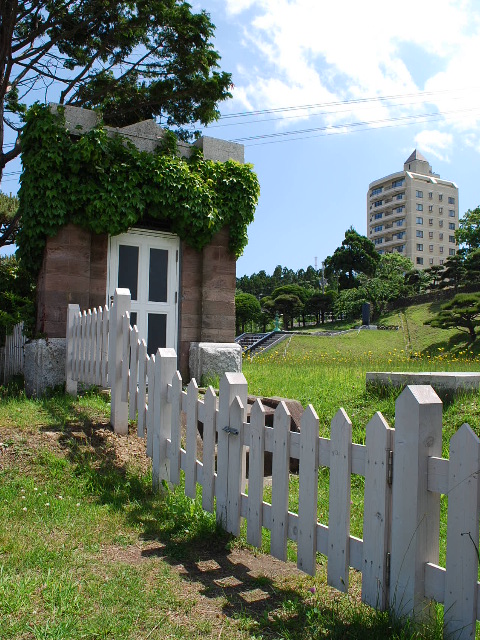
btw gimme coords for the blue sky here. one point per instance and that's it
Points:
(407, 72)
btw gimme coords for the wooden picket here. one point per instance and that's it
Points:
(403, 470)
(13, 355)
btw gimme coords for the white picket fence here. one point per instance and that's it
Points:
(404, 472)
(13, 353)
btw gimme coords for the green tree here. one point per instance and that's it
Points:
(468, 232)
(462, 313)
(247, 309)
(9, 219)
(472, 266)
(133, 60)
(356, 255)
(453, 274)
(16, 296)
(320, 303)
(289, 305)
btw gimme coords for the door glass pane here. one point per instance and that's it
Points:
(128, 268)
(133, 318)
(157, 332)
(157, 275)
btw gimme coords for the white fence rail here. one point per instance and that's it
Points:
(13, 353)
(404, 472)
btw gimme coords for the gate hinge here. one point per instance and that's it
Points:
(390, 467)
(387, 569)
(231, 431)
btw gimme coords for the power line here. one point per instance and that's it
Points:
(420, 94)
(412, 119)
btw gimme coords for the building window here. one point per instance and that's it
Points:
(451, 213)
(451, 200)
(430, 261)
(441, 261)
(430, 221)
(419, 194)
(440, 223)
(398, 183)
(419, 234)
(430, 207)
(430, 195)
(451, 238)
(440, 197)
(400, 196)
(378, 216)
(430, 247)
(378, 228)
(378, 203)
(419, 247)
(419, 260)
(440, 210)
(419, 220)
(419, 207)
(451, 252)
(400, 235)
(440, 236)
(451, 225)
(381, 251)
(400, 248)
(376, 191)
(378, 240)
(430, 234)
(441, 249)
(400, 222)
(399, 210)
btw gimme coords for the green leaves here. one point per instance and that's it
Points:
(106, 185)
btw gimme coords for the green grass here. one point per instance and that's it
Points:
(87, 550)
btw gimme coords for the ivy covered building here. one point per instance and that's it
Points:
(105, 208)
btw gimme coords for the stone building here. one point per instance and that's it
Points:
(414, 212)
(180, 296)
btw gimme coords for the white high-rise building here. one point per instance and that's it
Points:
(415, 213)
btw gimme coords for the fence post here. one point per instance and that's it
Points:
(165, 367)
(415, 510)
(231, 385)
(119, 409)
(70, 383)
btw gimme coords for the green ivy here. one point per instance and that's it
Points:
(104, 184)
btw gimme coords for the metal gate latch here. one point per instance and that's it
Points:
(231, 431)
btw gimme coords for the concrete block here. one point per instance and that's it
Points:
(214, 358)
(78, 120)
(44, 365)
(221, 150)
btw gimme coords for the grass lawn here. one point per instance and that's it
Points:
(87, 550)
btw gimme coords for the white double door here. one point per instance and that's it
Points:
(146, 263)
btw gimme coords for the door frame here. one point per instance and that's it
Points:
(173, 244)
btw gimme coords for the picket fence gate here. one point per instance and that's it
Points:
(13, 354)
(404, 472)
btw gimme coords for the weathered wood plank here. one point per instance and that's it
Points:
(151, 404)
(133, 379)
(377, 513)
(280, 481)
(209, 430)
(105, 339)
(142, 387)
(127, 331)
(339, 501)
(191, 442)
(255, 474)
(308, 492)
(98, 346)
(176, 434)
(462, 535)
(236, 466)
(165, 367)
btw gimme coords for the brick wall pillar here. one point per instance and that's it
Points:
(74, 270)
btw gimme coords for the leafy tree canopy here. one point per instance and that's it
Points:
(356, 255)
(133, 60)
(468, 232)
(9, 219)
(247, 309)
(462, 313)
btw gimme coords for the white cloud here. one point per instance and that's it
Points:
(435, 142)
(314, 51)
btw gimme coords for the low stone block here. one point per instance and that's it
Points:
(44, 365)
(214, 358)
